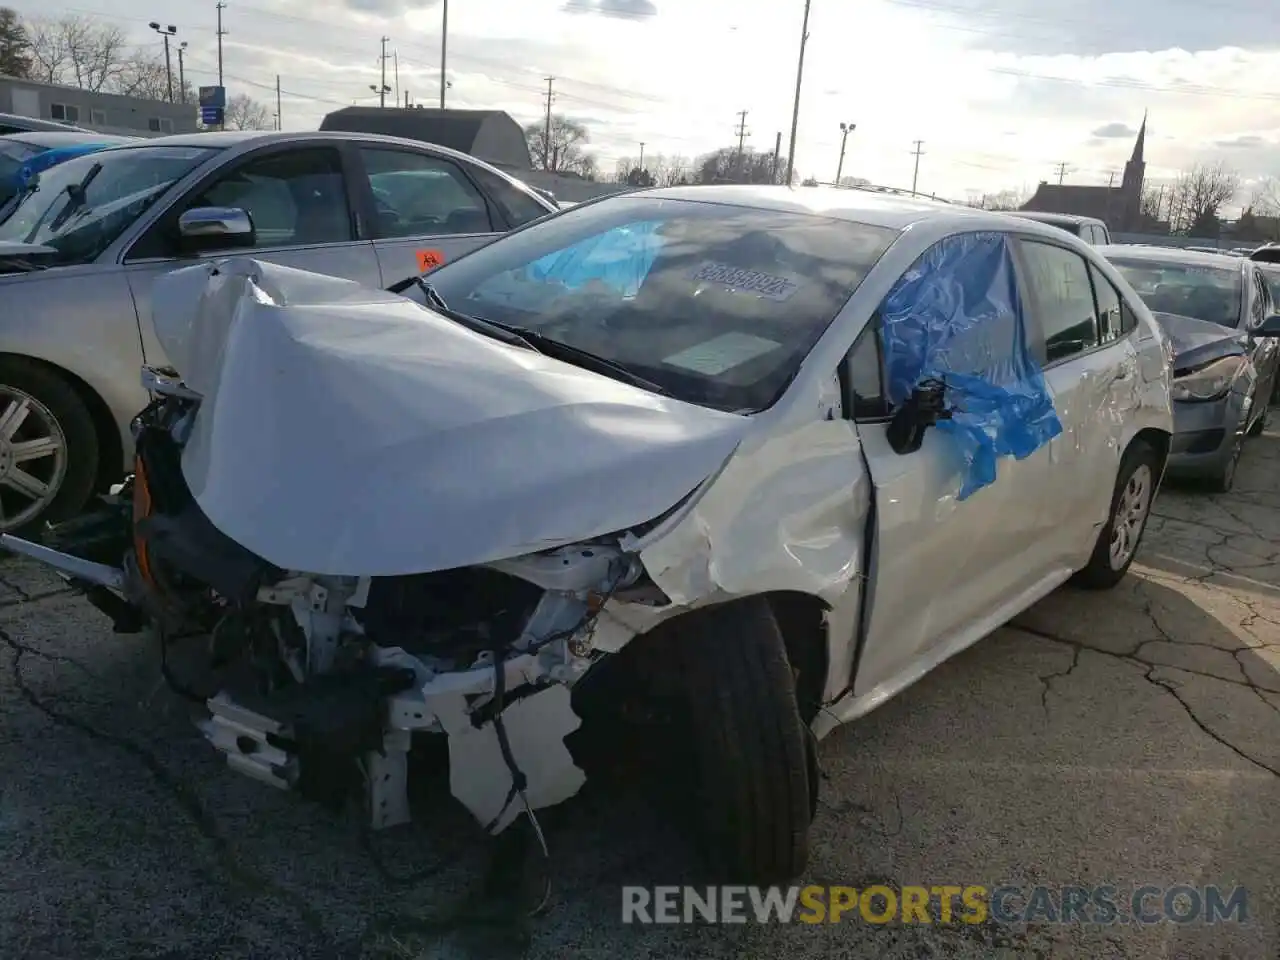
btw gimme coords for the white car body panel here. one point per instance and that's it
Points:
(778, 501)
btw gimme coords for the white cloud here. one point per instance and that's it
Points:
(999, 91)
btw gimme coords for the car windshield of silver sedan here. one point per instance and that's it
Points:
(716, 304)
(79, 207)
(1187, 289)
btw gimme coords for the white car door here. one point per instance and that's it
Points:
(298, 199)
(1083, 337)
(947, 565)
(427, 210)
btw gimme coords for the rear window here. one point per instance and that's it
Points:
(1202, 291)
(1271, 274)
(718, 304)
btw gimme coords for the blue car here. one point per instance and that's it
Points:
(24, 155)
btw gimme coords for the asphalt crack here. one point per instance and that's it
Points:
(1046, 679)
(1165, 685)
(185, 797)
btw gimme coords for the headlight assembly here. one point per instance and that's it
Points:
(1209, 382)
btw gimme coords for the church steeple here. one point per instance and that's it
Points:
(1141, 142)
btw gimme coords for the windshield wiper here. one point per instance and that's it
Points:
(487, 327)
(79, 195)
(583, 358)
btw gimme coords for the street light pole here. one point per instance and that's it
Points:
(795, 110)
(845, 130)
(444, 49)
(166, 32)
(182, 72)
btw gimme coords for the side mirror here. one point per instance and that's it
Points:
(1269, 327)
(923, 409)
(204, 229)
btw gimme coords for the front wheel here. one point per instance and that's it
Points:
(752, 754)
(1130, 508)
(48, 447)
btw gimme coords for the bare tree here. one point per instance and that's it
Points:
(562, 151)
(1152, 203)
(725, 166)
(1004, 200)
(1198, 197)
(245, 113)
(148, 79)
(1264, 198)
(15, 45)
(76, 51)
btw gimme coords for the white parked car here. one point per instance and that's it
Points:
(763, 456)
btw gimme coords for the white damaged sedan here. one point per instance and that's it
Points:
(770, 454)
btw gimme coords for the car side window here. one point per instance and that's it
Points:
(417, 194)
(295, 197)
(864, 375)
(1115, 319)
(515, 205)
(1058, 281)
(1258, 301)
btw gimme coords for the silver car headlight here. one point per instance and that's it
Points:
(1209, 382)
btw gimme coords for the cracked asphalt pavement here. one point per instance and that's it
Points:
(1126, 738)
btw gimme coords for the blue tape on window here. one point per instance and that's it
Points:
(956, 316)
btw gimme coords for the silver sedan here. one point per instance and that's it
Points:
(81, 248)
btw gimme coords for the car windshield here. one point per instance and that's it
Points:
(79, 207)
(1189, 289)
(716, 304)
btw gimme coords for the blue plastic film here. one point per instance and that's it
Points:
(619, 258)
(956, 316)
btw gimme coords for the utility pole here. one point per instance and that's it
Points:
(406, 99)
(777, 156)
(546, 134)
(915, 176)
(444, 49)
(1112, 181)
(395, 54)
(382, 87)
(795, 109)
(642, 156)
(741, 131)
(279, 111)
(1062, 173)
(845, 130)
(182, 72)
(221, 33)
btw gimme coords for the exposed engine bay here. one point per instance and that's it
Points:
(318, 683)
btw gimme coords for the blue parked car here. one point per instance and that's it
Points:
(23, 155)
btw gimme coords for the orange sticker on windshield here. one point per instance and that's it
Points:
(429, 259)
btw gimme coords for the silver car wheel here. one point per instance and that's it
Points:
(1130, 517)
(33, 457)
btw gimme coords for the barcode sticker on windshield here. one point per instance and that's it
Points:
(713, 357)
(762, 284)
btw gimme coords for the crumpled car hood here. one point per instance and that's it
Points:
(1197, 341)
(350, 431)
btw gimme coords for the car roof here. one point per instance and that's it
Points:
(52, 139)
(35, 123)
(1045, 217)
(871, 207)
(1177, 255)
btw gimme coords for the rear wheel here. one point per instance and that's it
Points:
(48, 447)
(1130, 508)
(753, 755)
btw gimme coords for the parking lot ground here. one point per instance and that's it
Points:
(1122, 738)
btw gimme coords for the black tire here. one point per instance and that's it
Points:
(1260, 424)
(60, 398)
(752, 754)
(1225, 479)
(1101, 573)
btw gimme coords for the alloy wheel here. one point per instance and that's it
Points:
(33, 458)
(1130, 517)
